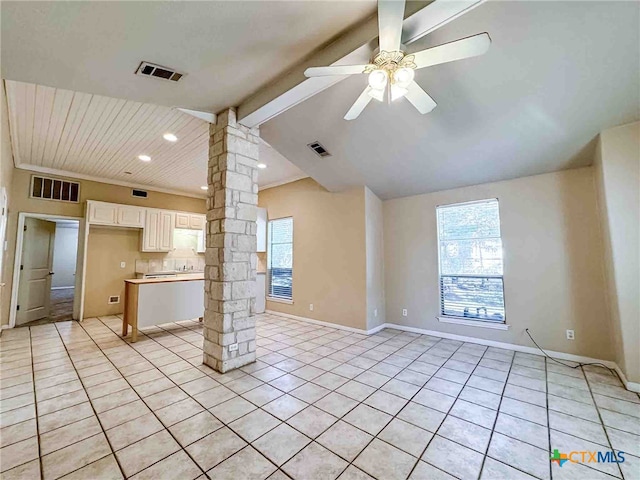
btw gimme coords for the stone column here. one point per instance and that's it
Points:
(230, 273)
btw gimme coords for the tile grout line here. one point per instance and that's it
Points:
(495, 421)
(260, 407)
(94, 412)
(308, 404)
(35, 406)
(418, 459)
(227, 425)
(379, 388)
(396, 348)
(150, 409)
(604, 428)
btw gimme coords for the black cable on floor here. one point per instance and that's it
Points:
(566, 364)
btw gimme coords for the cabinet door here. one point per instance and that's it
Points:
(202, 241)
(261, 230)
(103, 213)
(130, 216)
(150, 240)
(196, 222)
(182, 220)
(165, 231)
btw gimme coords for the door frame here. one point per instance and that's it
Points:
(78, 297)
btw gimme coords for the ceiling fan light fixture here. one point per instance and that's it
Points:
(378, 79)
(397, 92)
(403, 76)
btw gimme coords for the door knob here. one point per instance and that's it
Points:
(52, 273)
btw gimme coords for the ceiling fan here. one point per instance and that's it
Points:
(392, 70)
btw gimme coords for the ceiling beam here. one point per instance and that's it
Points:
(354, 47)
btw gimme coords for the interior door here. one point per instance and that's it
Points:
(35, 275)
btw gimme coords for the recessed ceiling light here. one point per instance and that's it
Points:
(144, 158)
(204, 187)
(262, 165)
(170, 137)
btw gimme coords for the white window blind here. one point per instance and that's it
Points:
(280, 258)
(470, 252)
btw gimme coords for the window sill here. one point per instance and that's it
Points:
(279, 300)
(474, 323)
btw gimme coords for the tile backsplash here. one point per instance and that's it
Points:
(169, 264)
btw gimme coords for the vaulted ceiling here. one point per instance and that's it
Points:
(557, 73)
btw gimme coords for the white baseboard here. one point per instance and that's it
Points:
(631, 386)
(328, 324)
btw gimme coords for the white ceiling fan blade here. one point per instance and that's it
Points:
(334, 70)
(358, 106)
(390, 17)
(456, 50)
(419, 98)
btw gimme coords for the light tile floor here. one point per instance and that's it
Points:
(320, 403)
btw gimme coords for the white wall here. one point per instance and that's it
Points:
(617, 176)
(553, 269)
(374, 246)
(65, 250)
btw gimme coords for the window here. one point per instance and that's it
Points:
(470, 252)
(280, 258)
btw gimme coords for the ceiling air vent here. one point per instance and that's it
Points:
(151, 70)
(139, 193)
(319, 149)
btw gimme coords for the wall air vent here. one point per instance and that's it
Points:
(114, 299)
(54, 189)
(139, 193)
(151, 70)
(319, 149)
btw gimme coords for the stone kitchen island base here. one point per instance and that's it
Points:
(154, 301)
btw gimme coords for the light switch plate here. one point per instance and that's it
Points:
(123, 264)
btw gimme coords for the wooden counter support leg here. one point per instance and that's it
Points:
(130, 316)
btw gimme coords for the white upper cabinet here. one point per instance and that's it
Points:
(190, 221)
(130, 216)
(157, 235)
(102, 213)
(261, 232)
(197, 222)
(182, 220)
(157, 225)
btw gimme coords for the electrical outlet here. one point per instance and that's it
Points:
(233, 347)
(404, 312)
(311, 307)
(571, 335)
(375, 312)
(123, 264)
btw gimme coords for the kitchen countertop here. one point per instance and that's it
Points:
(180, 278)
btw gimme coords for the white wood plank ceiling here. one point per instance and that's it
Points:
(96, 137)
